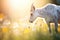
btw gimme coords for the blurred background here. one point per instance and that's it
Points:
(12, 8)
(14, 21)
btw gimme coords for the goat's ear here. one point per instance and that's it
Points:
(32, 8)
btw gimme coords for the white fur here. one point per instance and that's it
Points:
(49, 11)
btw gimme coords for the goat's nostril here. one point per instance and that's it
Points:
(30, 21)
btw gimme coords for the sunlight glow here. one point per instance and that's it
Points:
(18, 3)
(14, 3)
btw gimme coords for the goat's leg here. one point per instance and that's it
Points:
(49, 27)
(56, 26)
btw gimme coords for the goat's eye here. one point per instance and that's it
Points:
(31, 14)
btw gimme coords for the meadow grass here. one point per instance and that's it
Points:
(34, 31)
